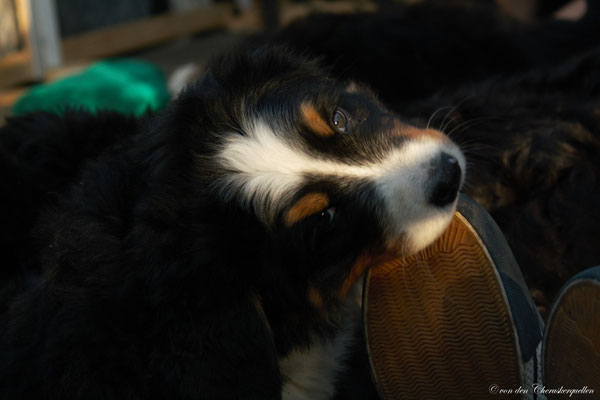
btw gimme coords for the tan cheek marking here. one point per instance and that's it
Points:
(314, 121)
(307, 205)
(315, 297)
(403, 129)
(369, 258)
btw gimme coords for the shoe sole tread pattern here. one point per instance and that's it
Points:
(572, 340)
(438, 324)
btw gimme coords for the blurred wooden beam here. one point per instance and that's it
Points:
(252, 20)
(16, 67)
(150, 31)
(292, 11)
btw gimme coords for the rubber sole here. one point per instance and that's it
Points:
(438, 324)
(571, 357)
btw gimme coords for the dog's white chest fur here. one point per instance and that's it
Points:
(310, 374)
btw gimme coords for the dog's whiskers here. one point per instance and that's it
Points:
(461, 127)
(434, 114)
(452, 110)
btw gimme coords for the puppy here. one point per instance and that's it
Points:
(212, 251)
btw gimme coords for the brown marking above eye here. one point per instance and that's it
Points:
(314, 121)
(404, 129)
(307, 205)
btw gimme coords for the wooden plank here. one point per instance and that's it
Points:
(250, 21)
(293, 11)
(15, 68)
(134, 35)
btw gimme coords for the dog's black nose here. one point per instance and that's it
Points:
(446, 176)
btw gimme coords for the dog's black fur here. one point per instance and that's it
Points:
(41, 155)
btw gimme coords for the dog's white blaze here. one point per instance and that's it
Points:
(268, 170)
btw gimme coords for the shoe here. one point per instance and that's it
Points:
(454, 321)
(571, 351)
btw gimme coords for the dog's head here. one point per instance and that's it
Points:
(334, 182)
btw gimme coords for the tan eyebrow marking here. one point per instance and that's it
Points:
(314, 121)
(307, 205)
(416, 133)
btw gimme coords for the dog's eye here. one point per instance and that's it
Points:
(340, 121)
(326, 216)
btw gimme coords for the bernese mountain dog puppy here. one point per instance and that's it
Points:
(211, 251)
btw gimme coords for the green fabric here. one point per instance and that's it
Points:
(126, 86)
